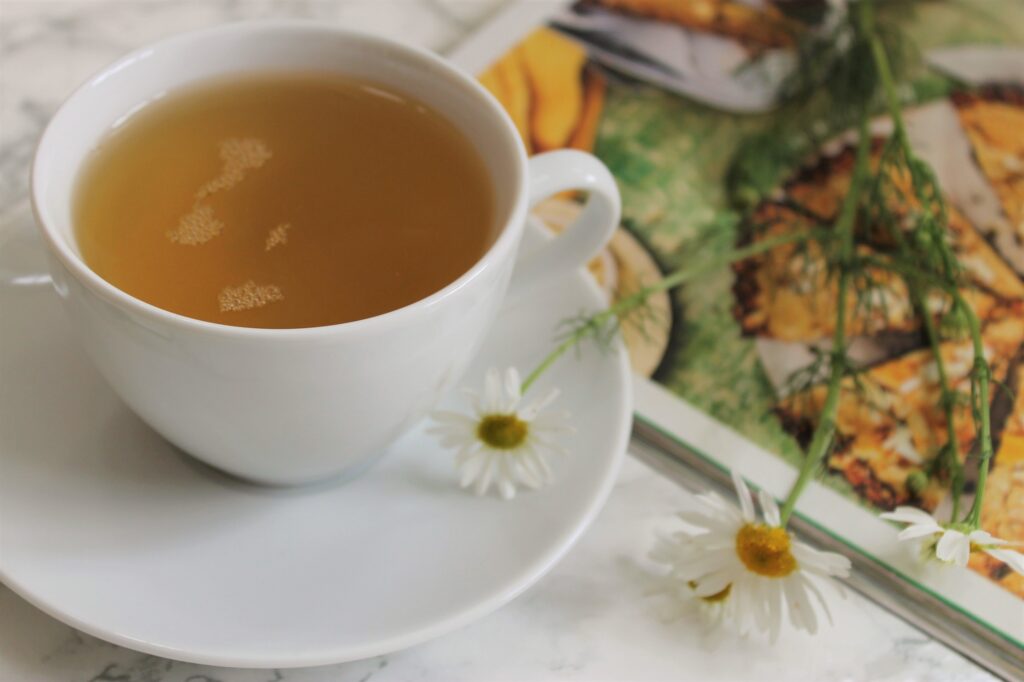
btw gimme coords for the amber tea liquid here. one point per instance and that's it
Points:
(283, 201)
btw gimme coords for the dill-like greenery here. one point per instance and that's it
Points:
(928, 244)
(894, 208)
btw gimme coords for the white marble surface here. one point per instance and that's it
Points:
(592, 618)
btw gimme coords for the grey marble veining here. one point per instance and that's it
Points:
(592, 618)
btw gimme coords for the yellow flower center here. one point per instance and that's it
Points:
(502, 431)
(765, 550)
(716, 597)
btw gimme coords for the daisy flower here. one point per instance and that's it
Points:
(713, 610)
(747, 570)
(503, 442)
(952, 544)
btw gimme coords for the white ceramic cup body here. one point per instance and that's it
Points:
(297, 405)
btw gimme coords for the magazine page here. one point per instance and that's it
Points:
(682, 102)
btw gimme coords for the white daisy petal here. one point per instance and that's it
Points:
(760, 600)
(816, 605)
(543, 437)
(453, 440)
(506, 480)
(707, 522)
(698, 566)
(769, 509)
(527, 464)
(953, 547)
(721, 508)
(798, 591)
(529, 479)
(483, 480)
(527, 470)
(813, 589)
(774, 594)
(1015, 560)
(982, 537)
(740, 609)
(663, 551)
(551, 418)
(912, 532)
(446, 429)
(826, 564)
(551, 427)
(909, 515)
(472, 467)
(542, 463)
(467, 452)
(555, 449)
(765, 588)
(520, 471)
(492, 401)
(743, 493)
(531, 411)
(512, 392)
(712, 584)
(714, 543)
(797, 605)
(453, 418)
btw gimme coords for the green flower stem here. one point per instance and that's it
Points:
(951, 452)
(981, 375)
(825, 431)
(624, 306)
(881, 59)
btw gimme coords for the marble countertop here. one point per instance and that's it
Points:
(592, 618)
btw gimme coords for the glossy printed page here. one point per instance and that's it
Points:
(677, 102)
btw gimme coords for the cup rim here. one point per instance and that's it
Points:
(505, 240)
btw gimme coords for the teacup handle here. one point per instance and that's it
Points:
(558, 171)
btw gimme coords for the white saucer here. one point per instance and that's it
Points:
(110, 529)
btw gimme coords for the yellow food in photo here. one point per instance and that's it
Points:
(554, 67)
(594, 84)
(512, 75)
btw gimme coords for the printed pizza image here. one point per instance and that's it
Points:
(787, 294)
(890, 423)
(993, 119)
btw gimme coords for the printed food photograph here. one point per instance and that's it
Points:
(691, 144)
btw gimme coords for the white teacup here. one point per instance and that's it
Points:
(290, 406)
